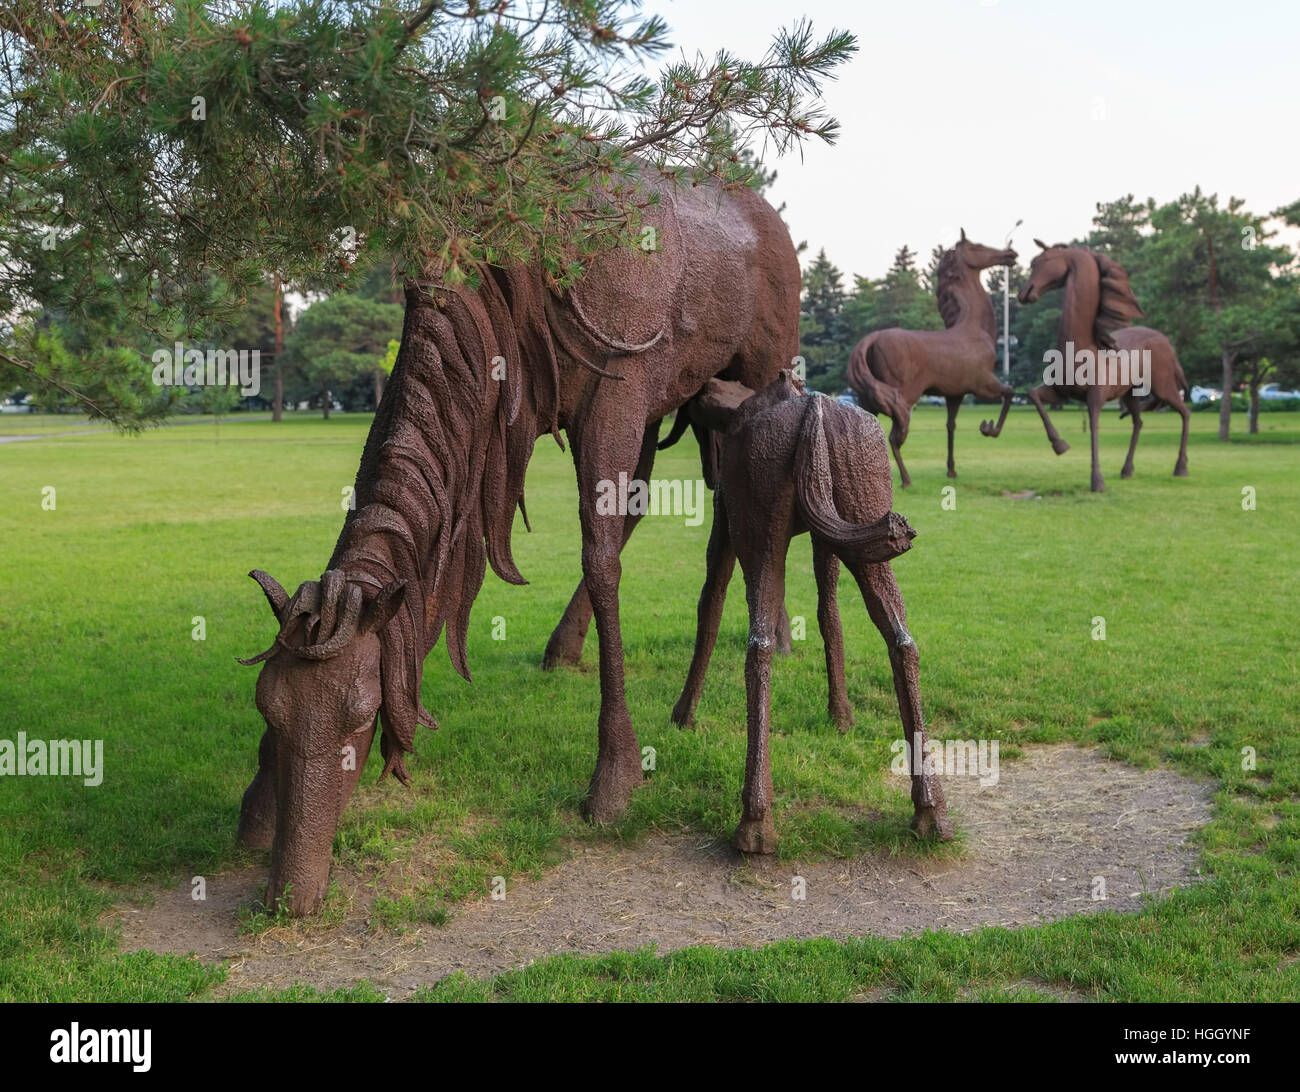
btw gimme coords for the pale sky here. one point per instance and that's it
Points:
(977, 113)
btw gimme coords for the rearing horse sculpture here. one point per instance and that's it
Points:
(1098, 304)
(890, 369)
(479, 376)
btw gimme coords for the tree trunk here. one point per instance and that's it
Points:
(379, 386)
(1254, 408)
(277, 407)
(1225, 404)
(325, 404)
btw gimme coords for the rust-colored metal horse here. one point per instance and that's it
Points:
(890, 369)
(479, 376)
(1099, 302)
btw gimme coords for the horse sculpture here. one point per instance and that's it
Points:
(480, 375)
(1098, 305)
(793, 462)
(890, 369)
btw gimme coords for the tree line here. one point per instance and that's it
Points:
(1210, 274)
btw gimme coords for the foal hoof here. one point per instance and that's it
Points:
(755, 836)
(933, 824)
(842, 719)
(1060, 447)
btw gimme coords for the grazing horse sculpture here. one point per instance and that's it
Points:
(1098, 305)
(480, 375)
(891, 368)
(794, 462)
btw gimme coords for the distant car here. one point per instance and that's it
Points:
(847, 398)
(1201, 395)
(1272, 390)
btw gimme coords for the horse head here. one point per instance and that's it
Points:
(320, 690)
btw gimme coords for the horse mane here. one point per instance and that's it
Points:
(948, 276)
(1117, 306)
(435, 499)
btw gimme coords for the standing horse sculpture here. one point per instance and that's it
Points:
(1099, 303)
(793, 462)
(890, 369)
(479, 377)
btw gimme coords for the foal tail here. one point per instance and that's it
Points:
(874, 396)
(881, 540)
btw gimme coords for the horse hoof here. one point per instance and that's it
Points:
(1127, 472)
(952, 473)
(1180, 472)
(682, 715)
(842, 719)
(755, 836)
(1060, 447)
(607, 797)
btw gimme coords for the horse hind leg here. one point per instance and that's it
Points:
(898, 437)
(954, 404)
(885, 606)
(1134, 408)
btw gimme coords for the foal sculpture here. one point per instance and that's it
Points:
(793, 462)
(1099, 303)
(890, 369)
(479, 376)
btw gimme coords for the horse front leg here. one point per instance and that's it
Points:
(618, 757)
(1098, 485)
(564, 649)
(1041, 397)
(988, 428)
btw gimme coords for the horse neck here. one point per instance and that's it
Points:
(1082, 297)
(969, 304)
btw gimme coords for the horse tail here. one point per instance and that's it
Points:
(873, 395)
(681, 422)
(881, 540)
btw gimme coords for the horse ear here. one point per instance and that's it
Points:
(384, 606)
(275, 595)
(1041, 245)
(963, 235)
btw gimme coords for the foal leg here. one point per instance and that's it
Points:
(258, 810)
(827, 567)
(885, 605)
(764, 589)
(1134, 407)
(721, 564)
(988, 428)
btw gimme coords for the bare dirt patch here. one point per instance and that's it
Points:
(1059, 817)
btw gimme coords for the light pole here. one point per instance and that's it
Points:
(1006, 310)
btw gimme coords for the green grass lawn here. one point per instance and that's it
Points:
(97, 599)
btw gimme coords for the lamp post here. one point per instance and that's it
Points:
(1006, 310)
